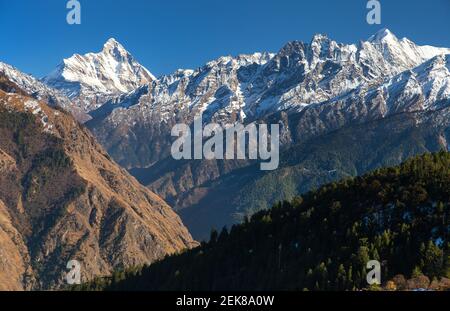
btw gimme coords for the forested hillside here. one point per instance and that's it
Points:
(323, 240)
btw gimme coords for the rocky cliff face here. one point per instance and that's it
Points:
(63, 198)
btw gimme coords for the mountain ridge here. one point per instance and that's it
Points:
(220, 88)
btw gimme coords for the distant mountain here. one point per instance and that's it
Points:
(89, 80)
(324, 239)
(252, 87)
(62, 198)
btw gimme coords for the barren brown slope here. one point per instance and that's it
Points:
(63, 198)
(13, 254)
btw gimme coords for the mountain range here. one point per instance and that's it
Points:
(343, 109)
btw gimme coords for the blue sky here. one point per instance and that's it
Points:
(168, 34)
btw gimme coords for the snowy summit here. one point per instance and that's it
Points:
(95, 76)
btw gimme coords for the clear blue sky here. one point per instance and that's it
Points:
(168, 34)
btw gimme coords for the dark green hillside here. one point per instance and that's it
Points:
(323, 240)
(350, 151)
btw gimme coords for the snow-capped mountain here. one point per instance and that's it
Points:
(89, 80)
(300, 74)
(426, 87)
(402, 54)
(310, 88)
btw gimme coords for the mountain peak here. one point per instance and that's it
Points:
(97, 76)
(112, 41)
(112, 44)
(319, 37)
(383, 35)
